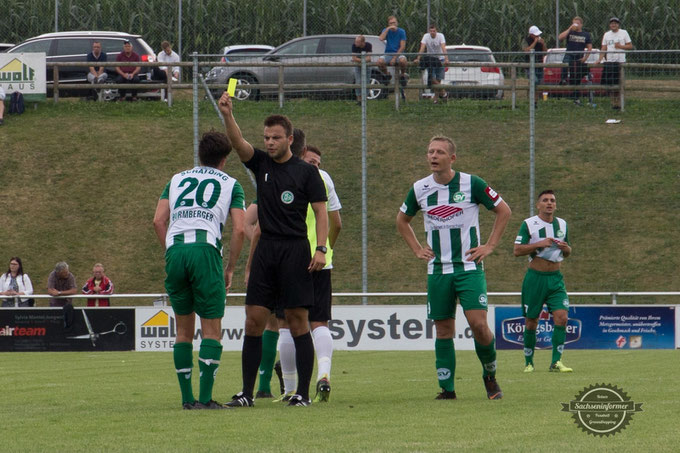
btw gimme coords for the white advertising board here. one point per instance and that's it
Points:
(24, 72)
(354, 328)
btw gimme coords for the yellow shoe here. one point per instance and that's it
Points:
(560, 368)
(284, 398)
(529, 368)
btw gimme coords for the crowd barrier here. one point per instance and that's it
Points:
(353, 328)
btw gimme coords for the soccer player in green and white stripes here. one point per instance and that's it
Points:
(189, 220)
(544, 238)
(450, 202)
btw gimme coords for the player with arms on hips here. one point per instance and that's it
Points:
(544, 238)
(189, 220)
(281, 269)
(450, 203)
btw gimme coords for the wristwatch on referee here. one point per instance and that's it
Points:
(322, 249)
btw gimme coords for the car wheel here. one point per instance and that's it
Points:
(376, 93)
(243, 94)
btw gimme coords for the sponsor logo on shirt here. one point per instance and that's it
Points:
(444, 212)
(491, 193)
(287, 197)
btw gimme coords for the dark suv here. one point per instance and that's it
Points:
(75, 45)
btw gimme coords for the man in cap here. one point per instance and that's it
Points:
(614, 44)
(535, 43)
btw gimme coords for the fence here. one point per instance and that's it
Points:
(205, 26)
(161, 299)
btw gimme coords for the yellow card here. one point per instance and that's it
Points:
(231, 89)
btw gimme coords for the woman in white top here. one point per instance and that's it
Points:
(15, 283)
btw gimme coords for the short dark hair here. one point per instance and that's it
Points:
(299, 142)
(279, 120)
(214, 147)
(432, 25)
(314, 150)
(165, 45)
(547, 191)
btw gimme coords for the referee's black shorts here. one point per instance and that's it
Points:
(321, 310)
(279, 276)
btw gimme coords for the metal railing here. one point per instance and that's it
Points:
(161, 299)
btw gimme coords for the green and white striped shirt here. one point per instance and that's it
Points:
(534, 229)
(451, 215)
(200, 200)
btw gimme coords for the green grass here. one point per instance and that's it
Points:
(381, 401)
(81, 181)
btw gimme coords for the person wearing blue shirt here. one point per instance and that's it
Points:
(395, 43)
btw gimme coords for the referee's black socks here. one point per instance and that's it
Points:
(250, 362)
(304, 361)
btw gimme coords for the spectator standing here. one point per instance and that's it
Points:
(14, 283)
(99, 285)
(96, 74)
(435, 43)
(578, 41)
(61, 282)
(395, 43)
(450, 203)
(2, 105)
(280, 275)
(361, 45)
(127, 74)
(544, 238)
(535, 42)
(614, 44)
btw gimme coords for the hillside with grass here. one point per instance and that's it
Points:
(81, 181)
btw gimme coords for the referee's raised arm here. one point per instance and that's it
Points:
(243, 148)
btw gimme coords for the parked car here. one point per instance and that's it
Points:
(472, 77)
(75, 45)
(308, 49)
(4, 46)
(553, 76)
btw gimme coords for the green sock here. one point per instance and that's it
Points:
(183, 355)
(487, 355)
(270, 339)
(445, 361)
(208, 361)
(529, 346)
(558, 337)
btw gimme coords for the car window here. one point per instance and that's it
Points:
(112, 46)
(458, 55)
(302, 47)
(77, 46)
(35, 46)
(244, 54)
(338, 45)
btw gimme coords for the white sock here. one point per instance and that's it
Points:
(323, 345)
(287, 357)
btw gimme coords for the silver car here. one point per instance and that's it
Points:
(308, 49)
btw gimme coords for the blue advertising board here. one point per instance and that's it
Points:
(594, 327)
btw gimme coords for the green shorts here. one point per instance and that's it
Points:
(543, 288)
(195, 280)
(443, 290)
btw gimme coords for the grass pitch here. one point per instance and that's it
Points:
(381, 401)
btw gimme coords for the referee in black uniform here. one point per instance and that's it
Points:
(281, 270)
